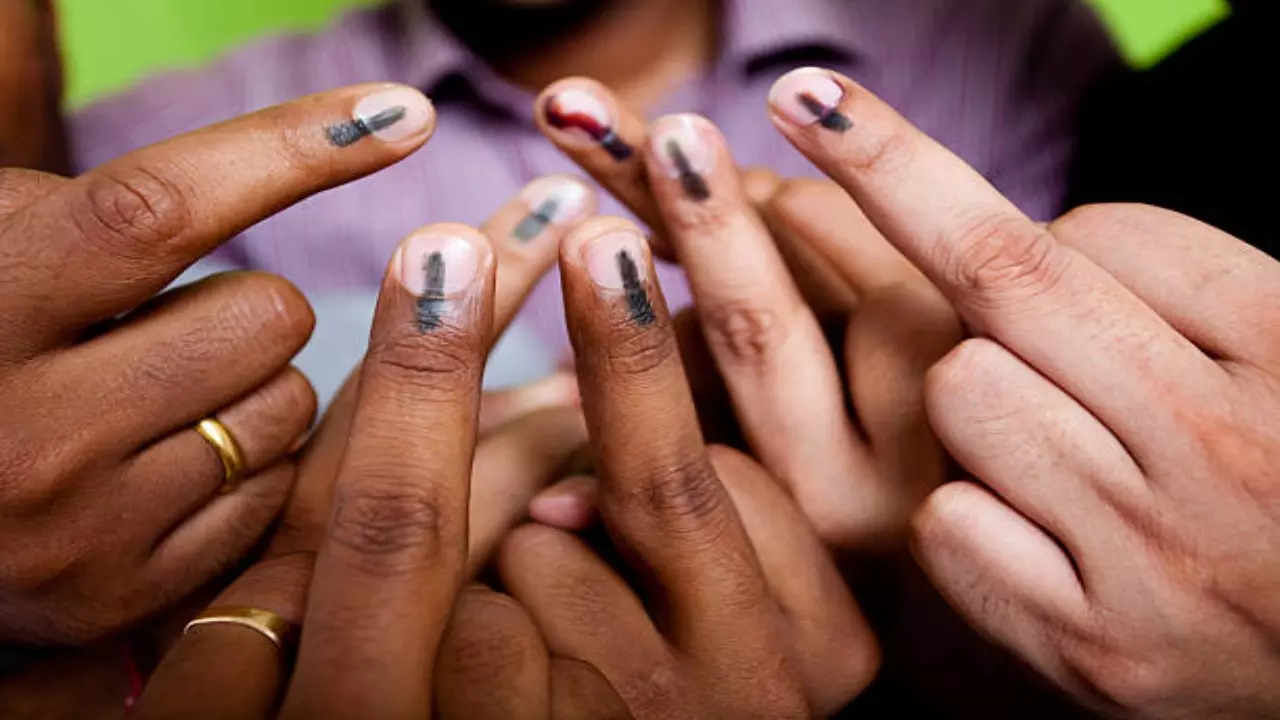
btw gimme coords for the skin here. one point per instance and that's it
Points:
(1114, 411)
(85, 348)
(756, 622)
(815, 262)
(30, 87)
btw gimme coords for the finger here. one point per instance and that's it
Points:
(19, 188)
(570, 505)
(1213, 288)
(392, 562)
(267, 425)
(1002, 573)
(894, 337)
(817, 218)
(760, 184)
(660, 499)
(228, 671)
(1008, 277)
(770, 349)
(493, 664)
(588, 123)
(585, 612)
(500, 407)
(1041, 452)
(831, 642)
(195, 351)
(511, 466)
(526, 235)
(135, 223)
(580, 692)
(217, 536)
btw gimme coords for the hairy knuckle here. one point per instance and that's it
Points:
(395, 525)
(745, 333)
(443, 365)
(130, 212)
(1002, 258)
(636, 350)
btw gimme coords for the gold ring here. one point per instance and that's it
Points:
(264, 622)
(223, 443)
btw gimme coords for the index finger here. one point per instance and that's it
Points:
(660, 498)
(1006, 275)
(123, 231)
(391, 563)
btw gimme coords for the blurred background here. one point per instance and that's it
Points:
(110, 45)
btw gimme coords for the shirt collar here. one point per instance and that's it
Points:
(754, 30)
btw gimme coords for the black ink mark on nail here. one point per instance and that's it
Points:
(617, 148)
(431, 304)
(695, 186)
(535, 222)
(350, 133)
(637, 299)
(828, 117)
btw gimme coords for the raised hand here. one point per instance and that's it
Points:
(103, 386)
(1115, 413)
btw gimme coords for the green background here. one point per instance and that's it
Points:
(112, 43)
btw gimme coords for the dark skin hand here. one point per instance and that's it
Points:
(31, 130)
(103, 384)
(755, 621)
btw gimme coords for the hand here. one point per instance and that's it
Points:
(762, 280)
(31, 130)
(1116, 410)
(527, 436)
(393, 555)
(96, 438)
(740, 612)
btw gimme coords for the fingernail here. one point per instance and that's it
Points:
(619, 261)
(436, 267)
(684, 153)
(810, 96)
(552, 201)
(388, 115)
(577, 110)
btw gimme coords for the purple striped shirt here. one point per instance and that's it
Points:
(997, 81)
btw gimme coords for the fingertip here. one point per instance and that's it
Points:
(810, 96)
(561, 201)
(393, 114)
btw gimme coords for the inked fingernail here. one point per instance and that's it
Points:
(620, 262)
(436, 268)
(580, 111)
(552, 201)
(388, 115)
(684, 153)
(810, 96)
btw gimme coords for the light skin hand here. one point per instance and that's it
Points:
(103, 382)
(1115, 409)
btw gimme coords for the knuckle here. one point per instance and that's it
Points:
(686, 494)
(745, 333)
(1002, 258)
(394, 526)
(443, 365)
(634, 350)
(957, 373)
(129, 212)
